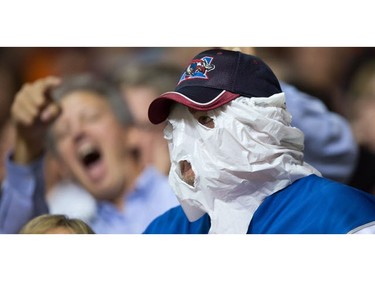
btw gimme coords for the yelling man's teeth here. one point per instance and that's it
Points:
(85, 149)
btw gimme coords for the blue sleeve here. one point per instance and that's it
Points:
(22, 195)
(329, 142)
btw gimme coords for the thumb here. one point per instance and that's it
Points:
(50, 113)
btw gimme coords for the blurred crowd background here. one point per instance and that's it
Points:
(20, 65)
(342, 77)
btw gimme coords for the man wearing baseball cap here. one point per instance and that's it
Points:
(236, 162)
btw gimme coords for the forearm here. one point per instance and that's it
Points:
(26, 152)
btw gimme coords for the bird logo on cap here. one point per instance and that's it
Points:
(198, 68)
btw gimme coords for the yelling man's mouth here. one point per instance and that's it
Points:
(90, 157)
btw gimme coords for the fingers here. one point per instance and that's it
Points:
(39, 91)
(33, 102)
(32, 110)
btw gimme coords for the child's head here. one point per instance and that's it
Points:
(56, 224)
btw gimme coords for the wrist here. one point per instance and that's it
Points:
(26, 152)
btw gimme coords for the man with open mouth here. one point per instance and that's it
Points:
(88, 127)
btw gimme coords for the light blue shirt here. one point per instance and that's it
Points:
(23, 198)
(152, 197)
(22, 195)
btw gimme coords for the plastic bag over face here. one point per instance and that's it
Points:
(251, 152)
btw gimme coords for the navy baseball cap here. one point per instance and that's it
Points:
(214, 78)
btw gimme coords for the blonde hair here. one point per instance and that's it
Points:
(45, 223)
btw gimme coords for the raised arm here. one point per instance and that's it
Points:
(23, 195)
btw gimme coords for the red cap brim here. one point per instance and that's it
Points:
(159, 109)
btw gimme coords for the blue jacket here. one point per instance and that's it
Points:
(310, 205)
